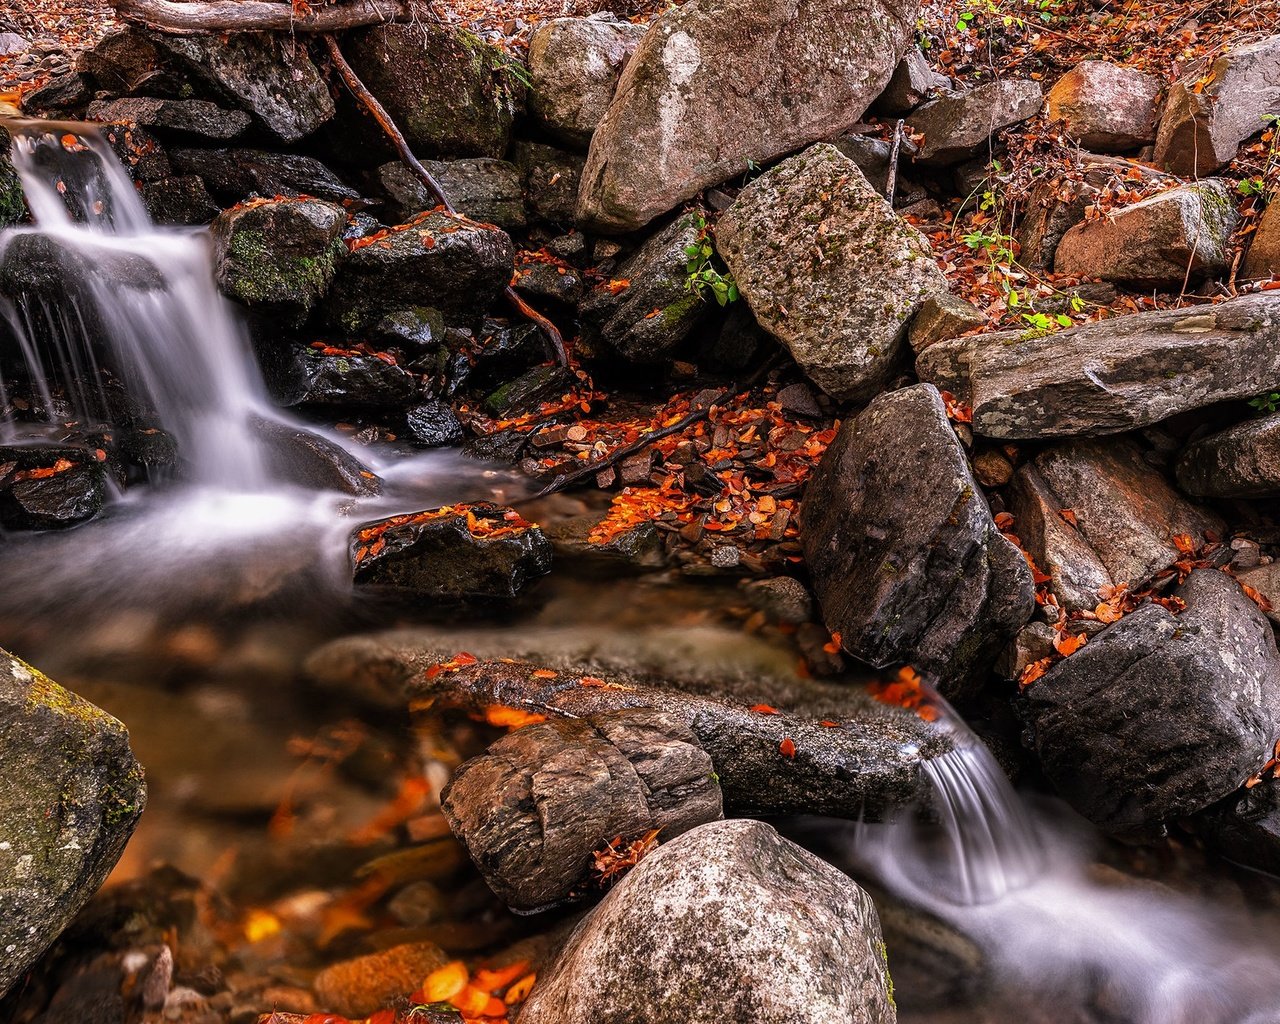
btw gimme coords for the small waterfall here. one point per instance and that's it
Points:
(94, 282)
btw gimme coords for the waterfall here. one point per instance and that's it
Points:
(95, 282)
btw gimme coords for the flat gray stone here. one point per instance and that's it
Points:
(957, 125)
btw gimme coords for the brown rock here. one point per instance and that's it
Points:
(992, 469)
(365, 984)
(942, 316)
(1104, 107)
(1263, 257)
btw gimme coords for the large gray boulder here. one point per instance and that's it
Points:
(1104, 107)
(1177, 237)
(1241, 462)
(574, 67)
(70, 795)
(1203, 124)
(729, 922)
(829, 269)
(905, 557)
(1113, 375)
(1161, 715)
(958, 125)
(717, 86)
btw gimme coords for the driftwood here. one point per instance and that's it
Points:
(179, 17)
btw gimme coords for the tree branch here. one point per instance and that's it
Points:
(258, 15)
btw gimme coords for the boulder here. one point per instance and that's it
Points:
(958, 125)
(311, 460)
(1095, 514)
(550, 178)
(829, 269)
(71, 793)
(913, 81)
(1245, 827)
(574, 66)
(236, 174)
(621, 320)
(180, 200)
(279, 255)
(942, 316)
(717, 87)
(1265, 579)
(475, 552)
(1178, 237)
(436, 260)
(326, 377)
(541, 275)
(198, 118)
(434, 424)
(1240, 462)
(51, 486)
(1160, 715)
(906, 561)
(1114, 375)
(1203, 124)
(728, 922)
(539, 802)
(1053, 206)
(126, 60)
(1263, 258)
(529, 391)
(1104, 107)
(452, 94)
(483, 189)
(266, 73)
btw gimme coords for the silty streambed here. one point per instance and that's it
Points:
(188, 607)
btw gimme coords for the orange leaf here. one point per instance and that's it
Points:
(501, 977)
(442, 984)
(1066, 644)
(1068, 516)
(787, 747)
(519, 992)
(764, 709)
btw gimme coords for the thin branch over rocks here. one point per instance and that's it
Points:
(259, 15)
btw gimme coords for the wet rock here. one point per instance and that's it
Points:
(504, 351)
(637, 550)
(63, 95)
(913, 81)
(541, 277)
(144, 157)
(574, 66)
(180, 200)
(125, 60)
(1182, 235)
(534, 807)
(279, 255)
(13, 208)
(452, 94)
(907, 563)
(941, 316)
(528, 391)
(310, 460)
(1125, 518)
(351, 380)
(729, 921)
(872, 156)
(270, 75)
(476, 552)
(1114, 375)
(957, 125)
(70, 795)
(444, 262)
(416, 330)
(1161, 715)
(49, 487)
(551, 179)
(657, 145)
(1263, 258)
(365, 984)
(1203, 124)
(236, 174)
(183, 117)
(1241, 462)
(839, 297)
(1104, 107)
(434, 424)
(658, 272)
(1245, 827)
(483, 189)
(782, 598)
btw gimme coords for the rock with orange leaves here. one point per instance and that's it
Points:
(1161, 714)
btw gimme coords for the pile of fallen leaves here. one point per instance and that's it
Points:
(484, 523)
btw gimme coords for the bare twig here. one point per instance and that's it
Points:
(197, 16)
(392, 130)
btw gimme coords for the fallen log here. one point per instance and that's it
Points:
(179, 18)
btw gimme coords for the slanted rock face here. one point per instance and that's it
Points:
(829, 269)
(1183, 235)
(236, 174)
(70, 796)
(907, 563)
(958, 125)
(658, 273)
(534, 807)
(717, 85)
(184, 117)
(265, 73)
(912, 83)
(1104, 107)
(1242, 462)
(13, 207)
(1161, 715)
(279, 256)
(574, 67)
(1202, 125)
(483, 189)
(1111, 376)
(328, 377)
(728, 922)
(451, 94)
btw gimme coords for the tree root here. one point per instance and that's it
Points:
(198, 16)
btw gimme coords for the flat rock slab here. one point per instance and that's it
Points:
(1240, 462)
(71, 793)
(236, 174)
(868, 762)
(729, 922)
(957, 125)
(1114, 375)
(906, 560)
(716, 86)
(187, 117)
(829, 269)
(1160, 715)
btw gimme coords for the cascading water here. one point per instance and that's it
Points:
(93, 279)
